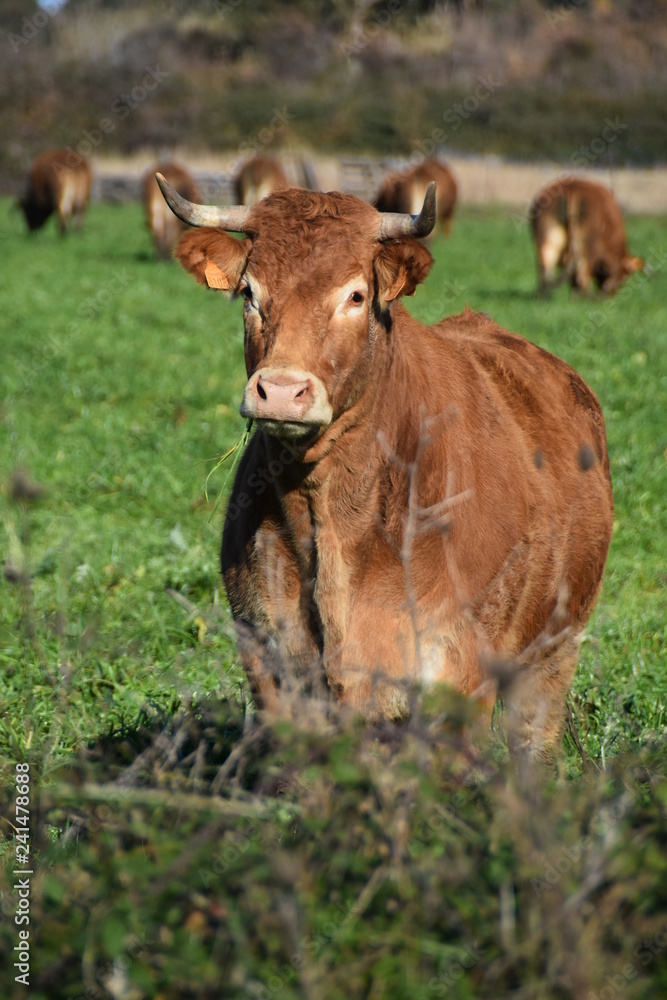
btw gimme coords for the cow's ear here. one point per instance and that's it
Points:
(214, 257)
(399, 267)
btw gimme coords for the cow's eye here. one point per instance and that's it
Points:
(249, 298)
(356, 298)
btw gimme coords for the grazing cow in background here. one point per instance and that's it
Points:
(404, 192)
(579, 237)
(59, 181)
(258, 178)
(415, 501)
(164, 226)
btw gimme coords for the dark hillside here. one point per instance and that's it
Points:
(528, 79)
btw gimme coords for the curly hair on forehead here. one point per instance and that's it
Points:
(294, 208)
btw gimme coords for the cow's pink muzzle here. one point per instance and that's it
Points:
(287, 402)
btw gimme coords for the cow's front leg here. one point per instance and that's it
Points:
(275, 616)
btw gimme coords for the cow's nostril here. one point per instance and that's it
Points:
(260, 391)
(301, 392)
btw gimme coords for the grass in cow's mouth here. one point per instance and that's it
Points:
(385, 868)
(235, 453)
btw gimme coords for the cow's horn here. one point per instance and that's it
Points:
(232, 218)
(394, 224)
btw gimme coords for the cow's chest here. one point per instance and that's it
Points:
(347, 556)
(326, 549)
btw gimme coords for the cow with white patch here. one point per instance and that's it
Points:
(258, 177)
(59, 183)
(404, 191)
(580, 237)
(164, 226)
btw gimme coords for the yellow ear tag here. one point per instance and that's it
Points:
(215, 278)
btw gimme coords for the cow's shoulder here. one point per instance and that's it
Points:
(528, 375)
(474, 334)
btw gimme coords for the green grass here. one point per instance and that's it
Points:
(323, 865)
(121, 384)
(121, 381)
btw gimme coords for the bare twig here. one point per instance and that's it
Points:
(157, 798)
(585, 763)
(358, 908)
(226, 769)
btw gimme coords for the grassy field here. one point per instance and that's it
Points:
(121, 381)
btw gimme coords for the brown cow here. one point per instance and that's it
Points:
(59, 181)
(164, 226)
(404, 192)
(578, 231)
(415, 501)
(258, 178)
